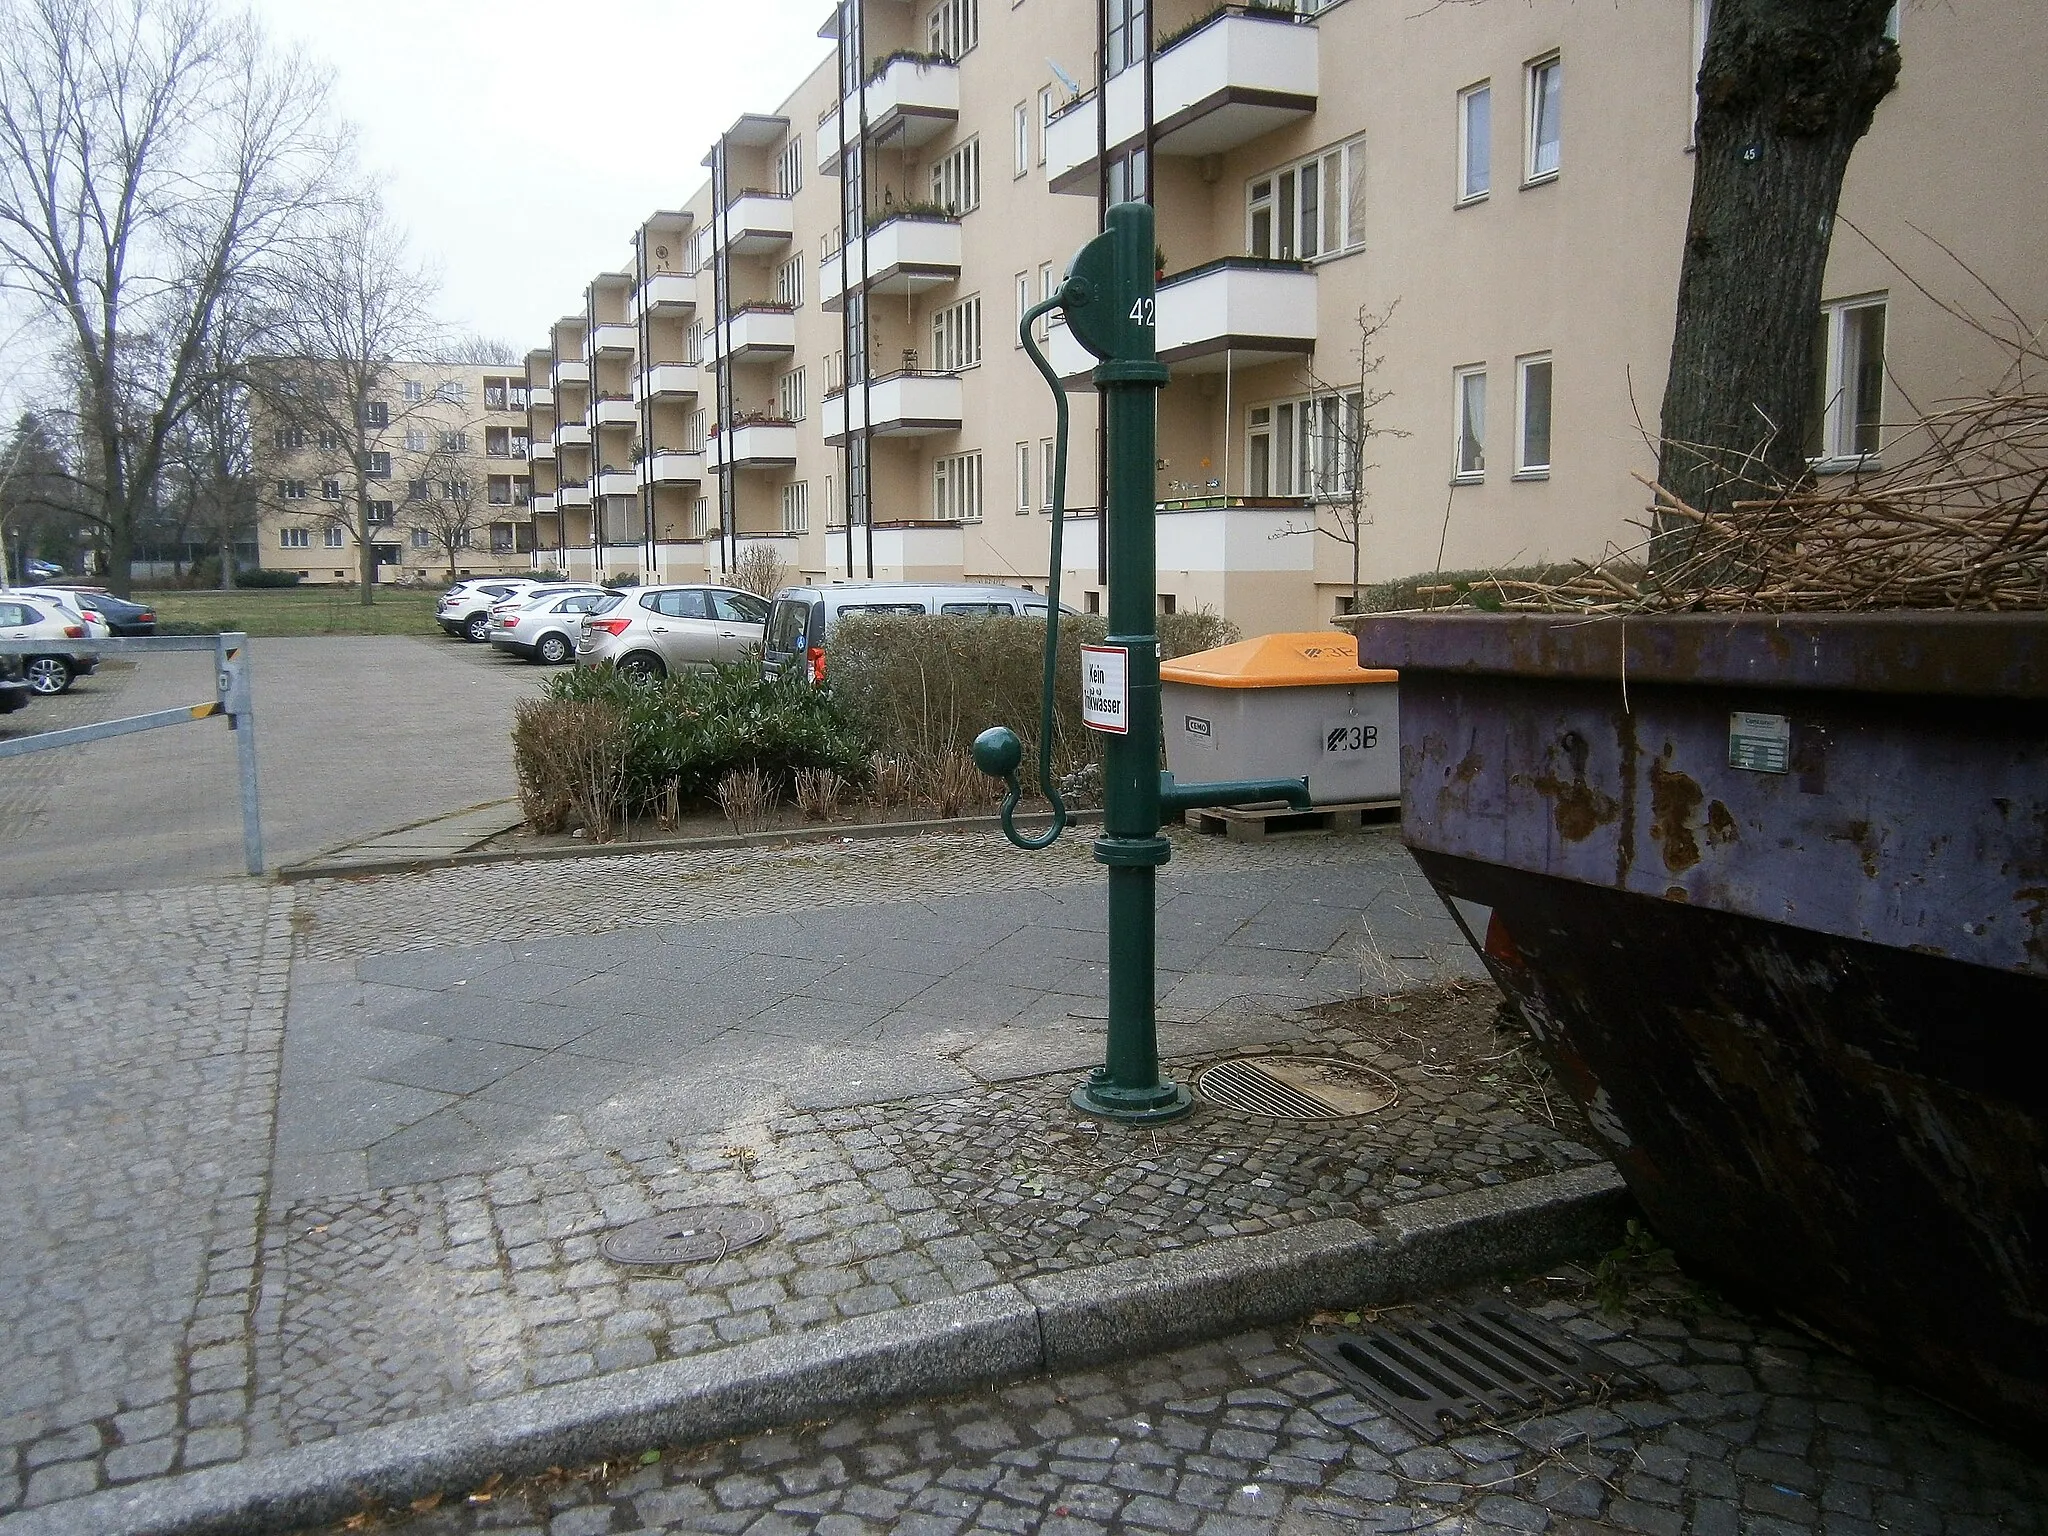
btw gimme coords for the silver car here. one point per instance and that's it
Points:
(653, 631)
(543, 626)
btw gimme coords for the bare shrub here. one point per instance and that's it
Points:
(759, 570)
(668, 806)
(748, 798)
(570, 759)
(955, 786)
(892, 781)
(818, 793)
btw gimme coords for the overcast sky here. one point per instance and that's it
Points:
(522, 143)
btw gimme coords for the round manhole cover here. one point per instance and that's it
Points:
(685, 1237)
(1296, 1087)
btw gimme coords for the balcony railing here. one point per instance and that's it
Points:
(666, 293)
(906, 404)
(571, 370)
(617, 482)
(612, 338)
(755, 223)
(903, 551)
(910, 100)
(573, 434)
(909, 253)
(666, 466)
(1247, 309)
(572, 494)
(756, 330)
(754, 445)
(1237, 534)
(667, 381)
(617, 411)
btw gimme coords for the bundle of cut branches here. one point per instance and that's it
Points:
(1956, 519)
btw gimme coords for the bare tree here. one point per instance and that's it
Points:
(760, 570)
(455, 508)
(153, 158)
(1786, 89)
(1343, 422)
(351, 303)
(481, 352)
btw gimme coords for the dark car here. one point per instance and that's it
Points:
(14, 689)
(119, 615)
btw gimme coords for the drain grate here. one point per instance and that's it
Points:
(1491, 1362)
(687, 1236)
(1295, 1087)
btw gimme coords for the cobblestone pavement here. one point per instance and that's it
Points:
(139, 1042)
(1737, 1426)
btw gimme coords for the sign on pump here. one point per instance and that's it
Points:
(1105, 689)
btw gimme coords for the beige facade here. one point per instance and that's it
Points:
(1505, 183)
(446, 472)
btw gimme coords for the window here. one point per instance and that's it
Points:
(956, 488)
(454, 391)
(330, 442)
(1045, 116)
(1020, 145)
(1546, 88)
(418, 490)
(1127, 34)
(290, 438)
(789, 168)
(455, 490)
(792, 395)
(293, 538)
(1047, 450)
(789, 281)
(380, 466)
(291, 490)
(1046, 285)
(1532, 416)
(796, 507)
(1023, 303)
(336, 536)
(413, 390)
(700, 517)
(1127, 179)
(330, 490)
(956, 179)
(693, 432)
(954, 27)
(421, 539)
(1475, 142)
(693, 343)
(857, 477)
(1023, 477)
(455, 442)
(1306, 447)
(1846, 419)
(1313, 208)
(1469, 386)
(956, 336)
(381, 515)
(374, 413)
(415, 440)
(494, 394)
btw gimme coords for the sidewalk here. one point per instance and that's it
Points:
(238, 1228)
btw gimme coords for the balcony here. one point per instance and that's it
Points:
(614, 482)
(1237, 534)
(903, 404)
(541, 450)
(909, 102)
(617, 411)
(667, 381)
(757, 445)
(908, 254)
(666, 293)
(573, 434)
(1241, 75)
(571, 497)
(755, 332)
(754, 224)
(612, 338)
(902, 552)
(667, 467)
(1070, 159)
(1252, 310)
(571, 370)
(540, 398)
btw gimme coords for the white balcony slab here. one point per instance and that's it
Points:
(573, 434)
(902, 552)
(1238, 78)
(1240, 310)
(617, 413)
(612, 338)
(1237, 539)
(666, 293)
(905, 255)
(540, 398)
(571, 370)
(541, 451)
(764, 445)
(672, 469)
(1070, 139)
(910, 103)
(615, 482)
(755, 223)
(572, 497)
(756, 333)
(543, 505)
(665, 381)
(901, 404)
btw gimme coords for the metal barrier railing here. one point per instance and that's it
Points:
(233, 698)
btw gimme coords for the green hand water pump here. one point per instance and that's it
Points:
(1111, 307)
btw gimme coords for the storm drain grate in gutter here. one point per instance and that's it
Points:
(1451, 1369)
(1295, 1087)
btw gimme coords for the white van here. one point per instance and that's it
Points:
(803, 617)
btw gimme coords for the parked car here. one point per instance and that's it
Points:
(121, 616)
(96, 625)
(41, 618)
(652, 631)
(545, 626)
(465, 608)
(14, 689)
(804, 617)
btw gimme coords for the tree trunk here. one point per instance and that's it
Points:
(1786, 90)
(227, 563)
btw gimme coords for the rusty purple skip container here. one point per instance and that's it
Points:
(1773, 893)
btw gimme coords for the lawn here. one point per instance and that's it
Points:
(298, 611)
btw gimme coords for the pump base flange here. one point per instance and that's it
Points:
(1165, 1100)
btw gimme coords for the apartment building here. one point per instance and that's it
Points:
(445, 460)
(817, 354)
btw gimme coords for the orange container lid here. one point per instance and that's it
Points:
(1323, 658)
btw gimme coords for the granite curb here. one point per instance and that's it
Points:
(932, 1348)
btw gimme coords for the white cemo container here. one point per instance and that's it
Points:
(1283, 706)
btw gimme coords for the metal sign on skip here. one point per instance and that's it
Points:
(1105, 689)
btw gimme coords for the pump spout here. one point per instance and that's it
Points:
(1174, 798)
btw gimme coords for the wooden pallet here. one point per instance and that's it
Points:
(1243, 823)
